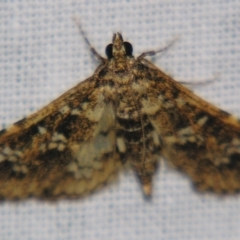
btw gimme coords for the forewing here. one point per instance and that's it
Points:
(65, 149)
(196, 137)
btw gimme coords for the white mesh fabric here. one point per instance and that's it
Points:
(42, 55)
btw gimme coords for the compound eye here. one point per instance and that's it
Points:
(109, 51)
(128, 48)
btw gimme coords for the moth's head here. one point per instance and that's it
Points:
(118, 48)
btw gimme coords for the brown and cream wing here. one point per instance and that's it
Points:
(65, 149)
(196, 137)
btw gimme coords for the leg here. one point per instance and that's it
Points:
(92, 49)
(200, 82)
(152, 53)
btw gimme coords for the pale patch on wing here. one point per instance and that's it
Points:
(202, 121)
(20, 168)
(92, 179)
(150, 107)
(94, 114)
(121, 145)
(90, 155)
(155, 137)
(42, 130)
(64, 109)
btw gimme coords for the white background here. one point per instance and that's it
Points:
(42, 55)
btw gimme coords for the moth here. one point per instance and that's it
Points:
(127, 113)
